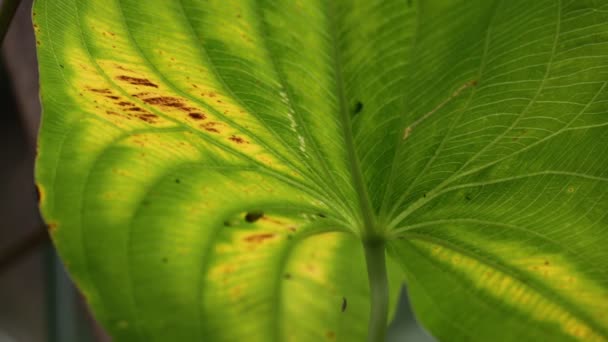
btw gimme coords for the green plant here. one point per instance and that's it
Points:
(224, 170)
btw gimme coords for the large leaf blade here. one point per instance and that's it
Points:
(470, 134)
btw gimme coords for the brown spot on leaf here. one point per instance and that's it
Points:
(168, 101)
(344, 304)
(237, 140)
(112, 97)
(124, 103)
(137, 81)
(149, 118)
(331, 335)
(209, 127)
(38, 194)
(101, 91)
(259, 238)
(197, 116)
(253, 216)
(51, 227)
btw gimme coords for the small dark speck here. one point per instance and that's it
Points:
(177, 181)
(287, 276)
(61, 65)
(37, 190)
(344, 304)
(227, 224)
(424, 195)
(253, 216)
(546, 262)
(321, 215)
(468, 197)
(165, 260)
(358, 108)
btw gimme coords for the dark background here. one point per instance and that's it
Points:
(37, 300)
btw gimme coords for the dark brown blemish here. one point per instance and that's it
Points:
(124, 103)
(38, 194)
(135, 109)
(237, 140)
(287, 276)
(209, 127)
(149, 118)
(197, 116)
(101, 91)
(321, 215)
(546, 262)
(253, 216)
(259, 238)
(168, 101)
(137, 81)
(51, 227)
(112, 97)
(344, 304)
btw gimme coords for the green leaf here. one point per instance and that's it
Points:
(213, 170)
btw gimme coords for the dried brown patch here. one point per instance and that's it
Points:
(101, 91)
(149, 118)
(237, 140)
(137, 81)
(259, 238)
(197, 116)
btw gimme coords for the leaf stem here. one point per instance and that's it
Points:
(378, 285)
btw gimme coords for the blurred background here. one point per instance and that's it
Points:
(38, 302)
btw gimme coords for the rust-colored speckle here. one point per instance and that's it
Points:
(209, 127)
(149, 118)
(38, 194)
(112, 97)
(197, 116)
(124, 103)
(101, 91)
(135, 109)
(52, 227)
(237, 140)
(546, 262)
(331, 335)
(259, 238)
(168, 101)
(211, 94)
(137, 81)
(109, 112)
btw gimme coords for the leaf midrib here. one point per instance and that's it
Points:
(368, 230)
